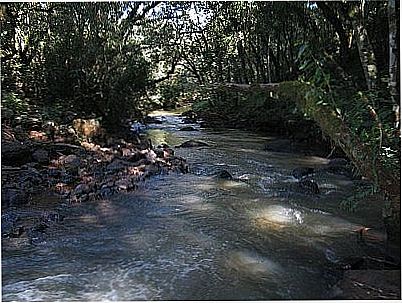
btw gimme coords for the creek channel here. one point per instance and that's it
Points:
(198, 237)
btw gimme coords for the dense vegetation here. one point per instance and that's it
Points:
(118, 60)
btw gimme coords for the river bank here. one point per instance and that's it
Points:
(68, 171)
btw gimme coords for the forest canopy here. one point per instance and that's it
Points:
(119, 60)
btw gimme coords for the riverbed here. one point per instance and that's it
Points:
(198, 237)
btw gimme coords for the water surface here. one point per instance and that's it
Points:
(196, 237)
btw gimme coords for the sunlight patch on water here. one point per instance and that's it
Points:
(252, 265)
(91, 219)
(276, 217)
(330, 225)
(175, 112)
(228, 184)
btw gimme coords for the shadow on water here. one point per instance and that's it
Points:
(197, 237)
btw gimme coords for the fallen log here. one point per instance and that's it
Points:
(387, 179)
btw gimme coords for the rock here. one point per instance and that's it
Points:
(159, 153)
(81, 189)
(302, 171)
(13, 197)
(183, 167)
(308, 187)
(14, 232)
(224, 174)
(41, 156)
(151, 156)
(117, 165)
(140, 163)
(151, 170)
(152, 120)
(15, 153)
(136, 156)
(123, 184)
(168, 152)
(187, 129)
(192, 143)
(69, 116)
(88, 128)
(163, 145)
(105, 191)
(71, 162)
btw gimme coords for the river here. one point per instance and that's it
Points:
(197, 237)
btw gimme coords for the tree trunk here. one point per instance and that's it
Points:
(386, 179)
(364, 49)
(393, 59)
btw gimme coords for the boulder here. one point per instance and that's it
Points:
(81, 189)
(88, 128)
(136, 156)
(223, 174)
(302, 171)
(41, 156)
(117, 165)
(307, 187)
(124, 184)
(15, 153)
(151, 170)
(71, 161)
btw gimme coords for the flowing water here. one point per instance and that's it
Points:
(196, 237)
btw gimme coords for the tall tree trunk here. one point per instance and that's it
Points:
(393, 58)
(364, 49)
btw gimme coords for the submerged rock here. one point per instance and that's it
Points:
(302, 171)
(223, 174)
(188, 129)
(192, 143)
(152, 120)
(308, 187)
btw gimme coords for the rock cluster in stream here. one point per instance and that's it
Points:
(73, 174)
(87, 173)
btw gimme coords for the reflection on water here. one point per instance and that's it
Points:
(194, 236)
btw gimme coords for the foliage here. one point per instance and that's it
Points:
(351, 203)
(13, 102)
(76, 54)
